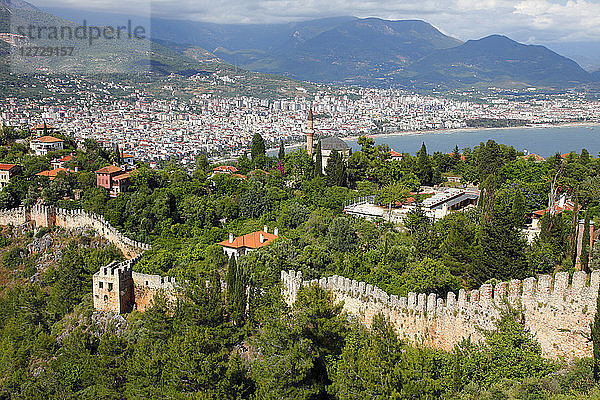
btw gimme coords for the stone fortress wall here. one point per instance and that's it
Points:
(557, 311)
(116, 287)
(46, 216)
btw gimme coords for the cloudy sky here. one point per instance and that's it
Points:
(527, 20)
(557, 22)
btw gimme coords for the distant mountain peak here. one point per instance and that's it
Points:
(18, 4)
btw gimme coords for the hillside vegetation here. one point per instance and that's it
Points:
(243, 341)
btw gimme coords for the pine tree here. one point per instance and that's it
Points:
(258, 151)
(281, 155)
(595, 337)
(456, 154)
(501, 249)
(244, 165)
(319, 161)
(518, 209)
(585, 244)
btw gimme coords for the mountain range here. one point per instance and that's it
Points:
(349, 50)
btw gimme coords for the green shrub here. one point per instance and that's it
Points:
(13, 258)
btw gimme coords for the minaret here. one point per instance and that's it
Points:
(310, 132)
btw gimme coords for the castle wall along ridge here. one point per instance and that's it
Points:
(116, 287)
(558, 312)
(46, 216)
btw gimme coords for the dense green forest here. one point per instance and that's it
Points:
(219, 344)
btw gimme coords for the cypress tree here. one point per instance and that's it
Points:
(518, 209)
(231, 278)
(240, 296)
(118, 155)
(595, 337)
(585, 244)
(335, 169)
(456, 374)
(258, 151)
(572, 249)
(281, 155)
(585, 156)
(424, 168)
(319, 161)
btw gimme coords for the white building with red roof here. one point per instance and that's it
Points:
(7, 171)
(244, 244)
(42, 145)
(562, 204)
(394, 155)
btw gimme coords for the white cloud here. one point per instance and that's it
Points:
(573, 20)
(525, 20)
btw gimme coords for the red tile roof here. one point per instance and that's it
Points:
(109, 169)
(568, 206)
(49, 139)
(6, 167)
(41, 126)
(225, 168)
(250, 240)
(462, 157)
(395, 154)
(54, 173)
(122, 176)
(536, 157)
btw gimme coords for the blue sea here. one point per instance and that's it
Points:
(544, 141)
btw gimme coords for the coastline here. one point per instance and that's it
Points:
(469, 129)
(354, 138)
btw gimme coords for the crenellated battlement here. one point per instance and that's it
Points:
(117, 288)
(557, 310)
(14, 216)
(45, 216)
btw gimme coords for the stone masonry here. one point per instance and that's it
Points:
(45, 216)
(117, 288)
(556, 311)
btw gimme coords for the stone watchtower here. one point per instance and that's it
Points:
(113, 287)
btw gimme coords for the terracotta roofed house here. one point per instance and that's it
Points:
(244, 244)
(42, 145)
(394, 155)
(128, 159)
(7, 171)
(112, 178)
(60, 162)
(52, 174)
(225, 169)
